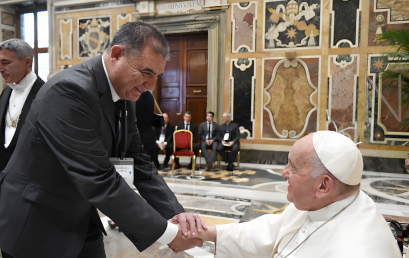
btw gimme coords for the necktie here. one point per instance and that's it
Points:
(120, 121)
(163, 130)
(187, 127)
(208, 133)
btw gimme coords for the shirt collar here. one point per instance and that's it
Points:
(328, 212)
(115, 96)
(26, 83)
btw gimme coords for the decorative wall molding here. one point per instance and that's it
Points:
(345, 23)
(296, 98)
(66, 39)
(398, 11)
(244, 27)
(242, 93)
(288, 24)
(93, 35)
(121, 19)
(343, 74)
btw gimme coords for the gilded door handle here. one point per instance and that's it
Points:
(197, 91)
(178, 114)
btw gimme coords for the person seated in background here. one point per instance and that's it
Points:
(328, 216)
(164, 138)
(187, 124)
(209, 137)
(229, 136)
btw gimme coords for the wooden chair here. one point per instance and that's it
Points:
(183, 147)
(219, 158)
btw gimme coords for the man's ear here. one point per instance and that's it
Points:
(28, 62)
(117, 52)
(327, 185)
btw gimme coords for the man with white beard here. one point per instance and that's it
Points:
(329, 215)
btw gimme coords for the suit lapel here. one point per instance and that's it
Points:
(5, 97)
(26, 108)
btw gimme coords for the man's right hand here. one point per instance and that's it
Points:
(179, 244)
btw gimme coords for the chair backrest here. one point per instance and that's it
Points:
(182, 139)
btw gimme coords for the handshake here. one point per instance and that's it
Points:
(191, 232)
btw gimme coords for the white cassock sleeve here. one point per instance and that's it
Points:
(253, 239)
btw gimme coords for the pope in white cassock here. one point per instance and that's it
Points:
(329, 216)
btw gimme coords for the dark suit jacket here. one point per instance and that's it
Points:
(5, 154)
(192, 128)
(145, 120)
(203, 128)
(60, 172)
(234, 132)
(168, 133)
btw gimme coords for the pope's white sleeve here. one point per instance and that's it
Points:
(253, 239)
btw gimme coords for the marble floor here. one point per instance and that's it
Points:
(222, 197)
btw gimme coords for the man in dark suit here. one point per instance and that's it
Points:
(209, 138)
(190, 126)
(145, 119)
(229, 135)
(60, 171)
(16, 58)
(164, 138)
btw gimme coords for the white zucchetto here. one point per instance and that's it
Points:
(339, 155)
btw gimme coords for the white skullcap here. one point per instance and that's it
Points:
(339, 155)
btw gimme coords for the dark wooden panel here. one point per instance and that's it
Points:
(170, 92)
(174, 43)
(197, 43)
(171, 75)
(197, 66)
(198, 108)
(196, 91)
(171, 107)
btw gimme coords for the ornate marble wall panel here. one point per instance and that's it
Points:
(242, 81)
(122, 18)
(343, 78)
(290, 97)
(94, 35)
(65, 39)
(385, 15)
(345, 23)
(288, 24)
(244, 26)
(384, 108)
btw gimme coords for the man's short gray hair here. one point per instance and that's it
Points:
(21, 49)
(228, 114)
(135, 36)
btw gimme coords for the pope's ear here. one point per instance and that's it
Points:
(327, 185)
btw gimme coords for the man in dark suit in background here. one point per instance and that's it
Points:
(190, 126)
(165, 132)
(16, 58)
(60, 172)
(209, 137)
(145, 119)
(229, 135)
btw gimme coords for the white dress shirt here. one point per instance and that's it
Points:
(171, 230)
(16, 102)
(188, 126)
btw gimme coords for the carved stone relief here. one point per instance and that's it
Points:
(244, 26)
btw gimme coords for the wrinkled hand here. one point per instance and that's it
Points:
(179, 244)
(189, 222)
(231, 143)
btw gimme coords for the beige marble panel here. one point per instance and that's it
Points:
(399, 9)
(243, 26)
(66, 39)
(121, 19)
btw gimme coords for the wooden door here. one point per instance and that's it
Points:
(183, 85)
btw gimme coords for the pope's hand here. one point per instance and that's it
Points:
(180, 244)
(189, 222)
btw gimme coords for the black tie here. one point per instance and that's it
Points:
(120, 118)
(208, 133)
(187, 127)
